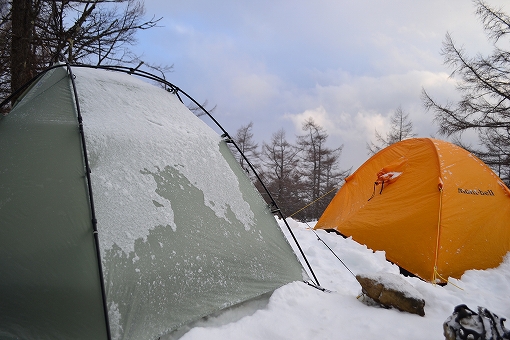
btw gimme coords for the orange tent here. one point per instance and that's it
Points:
(433, 207)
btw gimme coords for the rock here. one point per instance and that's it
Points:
(391, 290)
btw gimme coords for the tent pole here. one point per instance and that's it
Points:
(175, 90)
(91, 200)
(273, 202)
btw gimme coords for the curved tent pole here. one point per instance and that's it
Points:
(275, 208)
(274, 205)
(26, 85)
(175, 90)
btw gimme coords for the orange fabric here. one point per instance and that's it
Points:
(389, 174)
(444, 208)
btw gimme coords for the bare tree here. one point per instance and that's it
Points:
(21, 58)
(305, 175)
(197, 110)
(247, 146)
(97, 34)
(280, 172)
(319, 167)
(40, 32)
(401, 127)
(5, 61)
(484, 84)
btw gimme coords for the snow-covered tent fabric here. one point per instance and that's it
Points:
(182, 231)
(434, 208)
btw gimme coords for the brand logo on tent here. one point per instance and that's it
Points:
(475, 192)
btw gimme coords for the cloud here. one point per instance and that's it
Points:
(370, 96)
(348, 65)
(353, 107)
(319, 116)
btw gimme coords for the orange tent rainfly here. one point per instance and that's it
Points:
(433, 207)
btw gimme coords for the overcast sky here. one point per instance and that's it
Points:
(347, 64)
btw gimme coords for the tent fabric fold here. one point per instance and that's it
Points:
(441, 212)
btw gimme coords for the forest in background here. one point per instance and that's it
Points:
(34, 34)
(304, 176)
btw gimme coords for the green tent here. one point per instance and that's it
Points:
(139, 225)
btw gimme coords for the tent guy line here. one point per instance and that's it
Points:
(329, 248)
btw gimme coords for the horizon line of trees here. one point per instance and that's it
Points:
(484, 108)
(303, 177)
(304, 173)
(36, 33)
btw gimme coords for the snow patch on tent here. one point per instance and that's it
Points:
(123, 134)
(115, 317)
(391, 175)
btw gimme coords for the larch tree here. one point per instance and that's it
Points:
(484, 85)
(247, 146)
(319, 168)
(280, 162)
(401, 127)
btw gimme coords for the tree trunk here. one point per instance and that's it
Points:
(21, 52)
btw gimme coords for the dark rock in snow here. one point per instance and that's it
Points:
(391, 290)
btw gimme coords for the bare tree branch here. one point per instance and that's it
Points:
(484, 85)
(400, 128)
(37, 33)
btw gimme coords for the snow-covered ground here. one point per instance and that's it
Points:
(298, 311)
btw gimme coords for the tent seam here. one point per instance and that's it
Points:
(91, 197)
(439, 217)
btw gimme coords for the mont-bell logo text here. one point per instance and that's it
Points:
(478, 192)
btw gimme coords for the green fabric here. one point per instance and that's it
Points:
(207, 264)
(49, 281)
(183, 231)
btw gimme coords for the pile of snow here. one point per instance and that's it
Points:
(298, 311)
